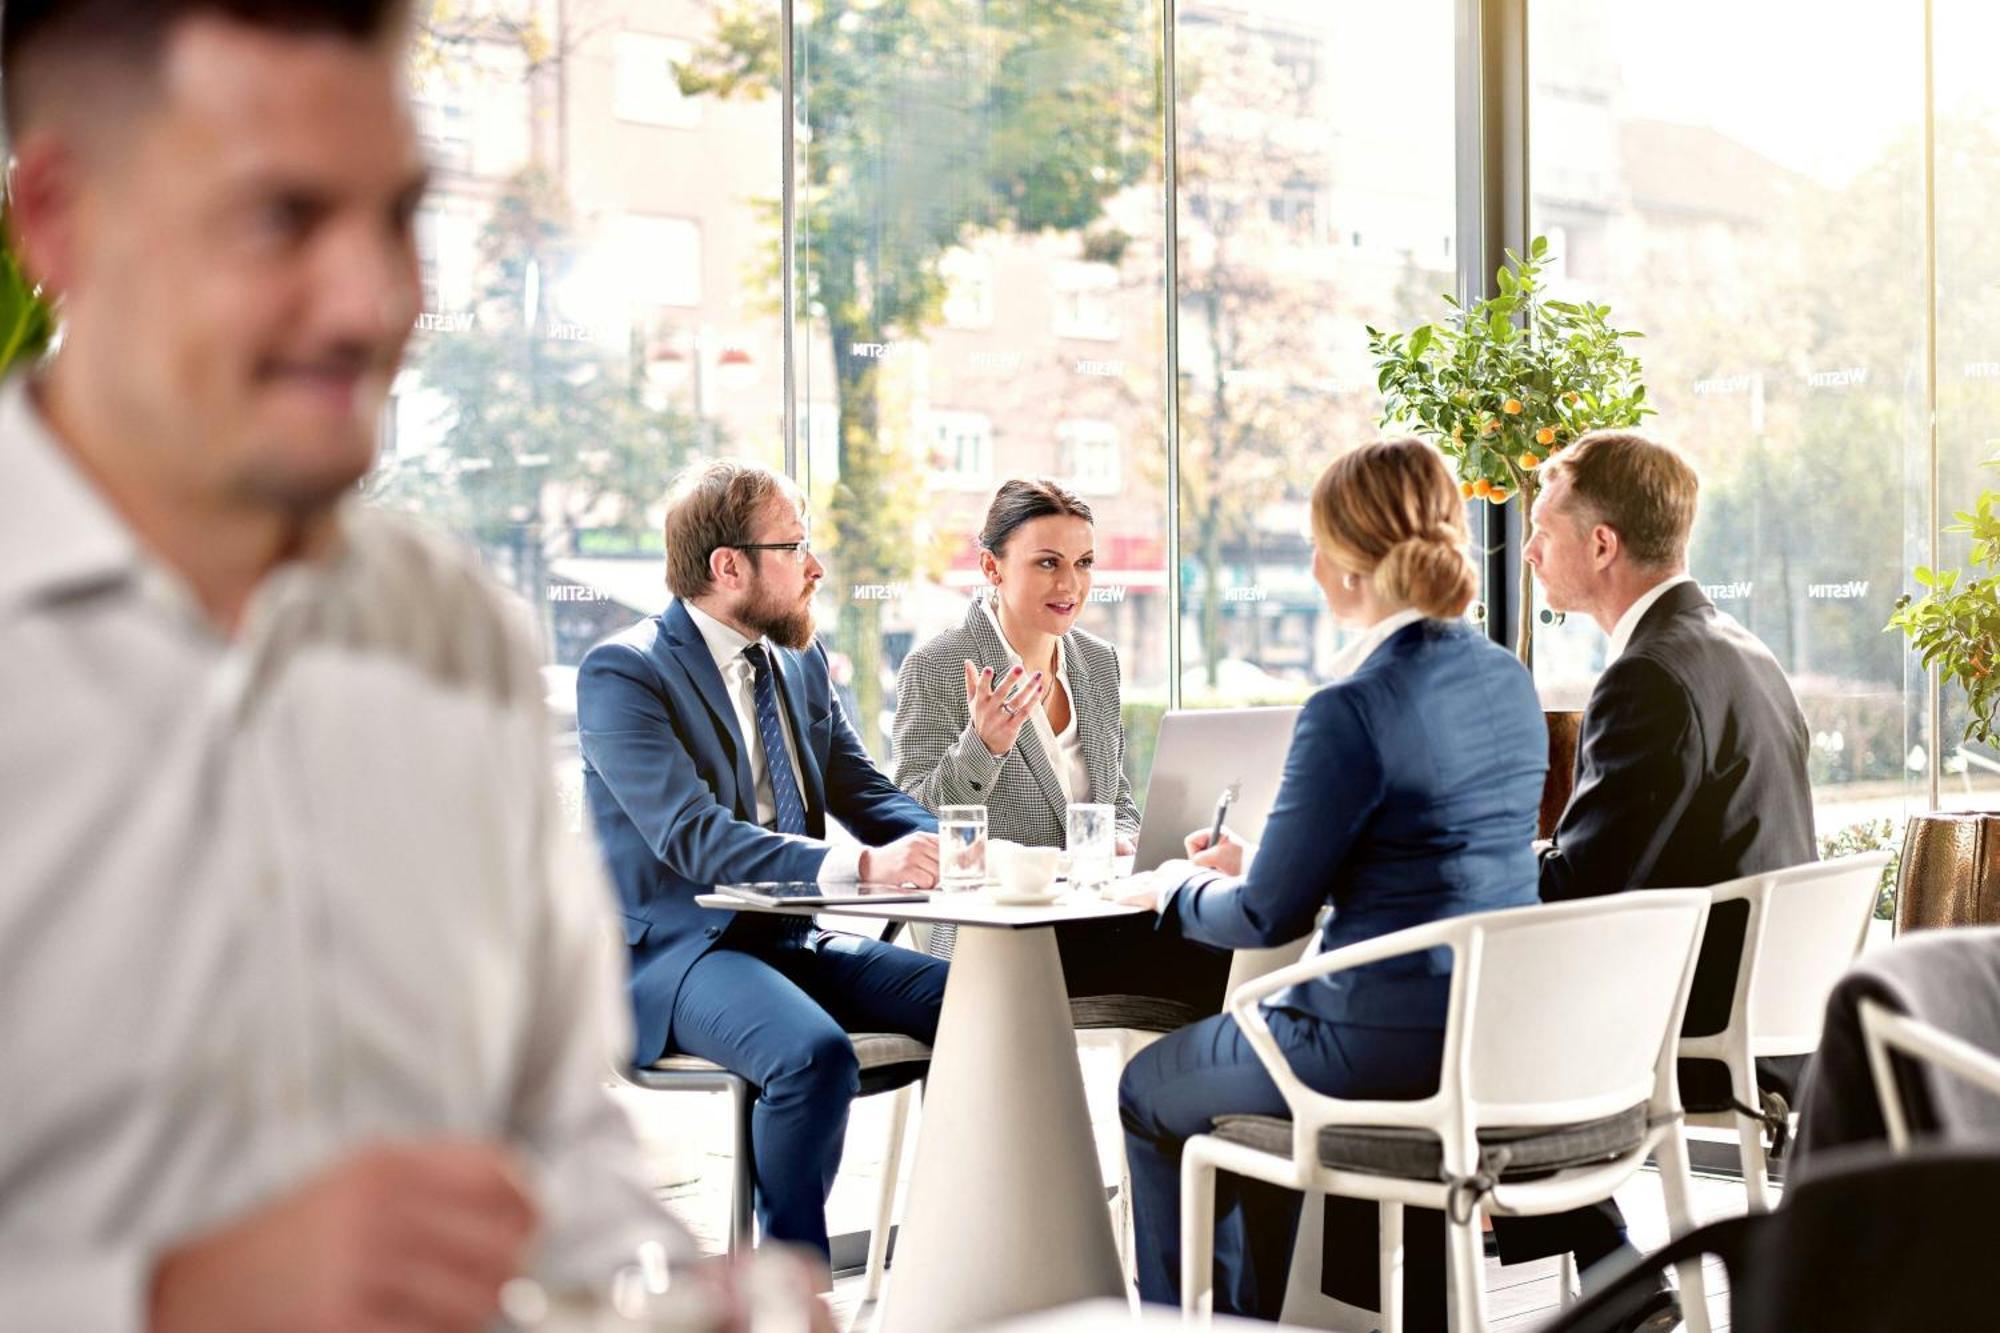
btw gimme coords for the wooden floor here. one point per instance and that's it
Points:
(687, 1141)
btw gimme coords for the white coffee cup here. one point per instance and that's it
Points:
(1023, 872)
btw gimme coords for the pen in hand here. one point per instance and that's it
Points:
(1222, 804)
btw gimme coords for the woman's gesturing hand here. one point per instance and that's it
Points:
(997, 717)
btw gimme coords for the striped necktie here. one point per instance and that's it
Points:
(777, 759)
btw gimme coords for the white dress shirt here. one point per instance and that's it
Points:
(1064, 748)
(1349, 659)
(267, 899)
(843, 861)
(1621, 633)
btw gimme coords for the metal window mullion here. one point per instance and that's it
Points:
(787, 232)
(1491, 139)
(1170, 97)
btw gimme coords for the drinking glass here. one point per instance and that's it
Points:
(1091, 844)
(961, 847)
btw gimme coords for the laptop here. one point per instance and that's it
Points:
(1201, 751)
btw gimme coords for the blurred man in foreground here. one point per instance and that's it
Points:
(302, 1027)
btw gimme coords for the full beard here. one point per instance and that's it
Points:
(787, 625)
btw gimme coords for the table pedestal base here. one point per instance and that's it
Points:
(1006, 1210)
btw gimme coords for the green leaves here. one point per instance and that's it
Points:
(1957, 630)
(27, 324)
(1503, 384)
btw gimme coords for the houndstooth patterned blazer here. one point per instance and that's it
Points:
(940, 759)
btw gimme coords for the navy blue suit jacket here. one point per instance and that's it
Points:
(1410, 793)
(666, 779)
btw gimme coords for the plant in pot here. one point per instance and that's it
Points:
(1500, 387)
(1950, 871)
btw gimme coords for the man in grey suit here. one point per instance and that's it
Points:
(1691, 767)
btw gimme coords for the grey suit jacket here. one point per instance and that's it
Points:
(940, 760)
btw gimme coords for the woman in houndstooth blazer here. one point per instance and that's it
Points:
(941, 759)
(1017, 710)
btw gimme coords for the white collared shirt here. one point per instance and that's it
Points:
(1349, 659)
(1621, 633)
(843, 862)
(270, 898)
(1064, 748)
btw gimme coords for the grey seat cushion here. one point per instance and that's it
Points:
(887, 1059)
(878, 1050)
(684, 1064)
(1141, 1013)
(1413, 1154)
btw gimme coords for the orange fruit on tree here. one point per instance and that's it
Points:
(1499, 496)
(1512, 407)
(1465, 489)
(1482, 487)
(1546, 435)
(1492, 426)
(1528, 462)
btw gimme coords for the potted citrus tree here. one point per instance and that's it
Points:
(1950, 858)
(1503, 385)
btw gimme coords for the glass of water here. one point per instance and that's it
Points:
(1091, 844)
(961, 846)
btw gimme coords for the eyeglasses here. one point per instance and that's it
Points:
(800, 549)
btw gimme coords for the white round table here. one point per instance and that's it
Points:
(1006, 1212)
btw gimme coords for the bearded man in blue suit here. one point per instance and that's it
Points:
(714, 752)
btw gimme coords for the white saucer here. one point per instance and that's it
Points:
(1000, 897)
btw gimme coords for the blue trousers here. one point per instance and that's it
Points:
(776, 1008)
(1175, 1088)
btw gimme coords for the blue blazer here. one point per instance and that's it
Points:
(666, 780)
(1410, 793)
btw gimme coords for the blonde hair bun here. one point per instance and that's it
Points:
(1391, 509)
(1431, 573)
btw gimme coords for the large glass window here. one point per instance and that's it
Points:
(1968, 336)
(980, 196)
(600, 305)
(980, 274)
(1708, 171)
(1316, 197)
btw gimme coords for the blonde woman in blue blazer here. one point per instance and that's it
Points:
(1017, 709)
(1409, 794)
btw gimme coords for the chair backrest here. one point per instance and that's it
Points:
(1876, 1243)
(1567, 1012)
(1806, 927)
(1884, 1031)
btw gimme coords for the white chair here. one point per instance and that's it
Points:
(1884, 1031)
(1138, 1030)
(1805, 926)
(1557, 1080)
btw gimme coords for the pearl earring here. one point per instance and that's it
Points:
(1348, 581)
